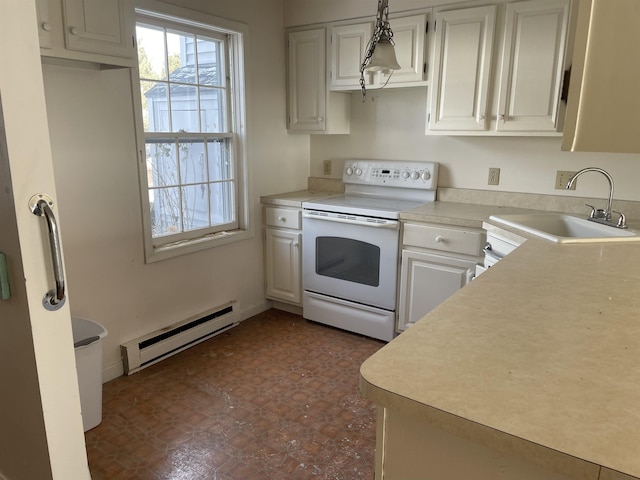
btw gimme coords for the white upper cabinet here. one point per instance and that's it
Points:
(44, 23)
(311, 108)
(409, 35)
(96, 31)
(461, 69)
(96, 26)
(307, 80)
(348, 43)
(532, 65)
(507, 87)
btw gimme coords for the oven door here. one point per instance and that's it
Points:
(350, 257)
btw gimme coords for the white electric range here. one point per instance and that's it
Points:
(350, 252)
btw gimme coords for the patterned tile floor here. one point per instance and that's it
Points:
(274, 398)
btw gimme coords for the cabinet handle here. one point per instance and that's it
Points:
(439, 239)
(319, 119)
(74, 31)
(295, 244)
(46, 26)
(282, 219)
(501, 117)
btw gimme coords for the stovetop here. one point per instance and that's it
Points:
(366, 206)
(381, 189)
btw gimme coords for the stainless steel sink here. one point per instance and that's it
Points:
(563, 228)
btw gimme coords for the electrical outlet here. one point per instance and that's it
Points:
(562, 178)
(326, 167)
(494, 176)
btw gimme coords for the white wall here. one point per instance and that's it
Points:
(391, 125)
(91, 123)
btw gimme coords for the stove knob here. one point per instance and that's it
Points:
(415, 175)
(358, 172)
(349, 171)
(426, 175)
(406, 174)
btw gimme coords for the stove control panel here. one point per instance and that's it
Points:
(423, 175)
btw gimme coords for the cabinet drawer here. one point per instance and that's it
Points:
(448, 239)
(283, 217)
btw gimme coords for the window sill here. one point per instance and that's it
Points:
(156, 254)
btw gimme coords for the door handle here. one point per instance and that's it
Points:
(40, 205)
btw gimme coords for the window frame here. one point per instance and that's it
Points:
(237, 34)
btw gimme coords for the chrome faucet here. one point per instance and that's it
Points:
(597, 214)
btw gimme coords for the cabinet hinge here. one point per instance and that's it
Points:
(566, 79)
(428, 118)
(424, 68)
(426, 28)
(435, 25)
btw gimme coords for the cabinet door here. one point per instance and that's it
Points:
(426, 280)
(99, 26)
(44, 23)
(532, 65)
(283, 265)
(307, 92)
(409, 35)
(348, 43)
(461, 73)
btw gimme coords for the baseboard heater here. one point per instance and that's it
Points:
(156, 346)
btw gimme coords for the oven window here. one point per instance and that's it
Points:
(348, 259)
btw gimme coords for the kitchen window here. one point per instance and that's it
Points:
(192, 142)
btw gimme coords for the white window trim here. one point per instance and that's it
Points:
(239, 38)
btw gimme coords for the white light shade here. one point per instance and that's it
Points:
(383, 58)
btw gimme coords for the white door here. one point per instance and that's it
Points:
(532, 65)
(42, 435)
(462, 67)
(307, 77)
(427, 280)
(96, 26)
(348, 44)
(353, 260)
(409, 36)
(283, 265)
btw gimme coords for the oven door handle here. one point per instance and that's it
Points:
(392, 225)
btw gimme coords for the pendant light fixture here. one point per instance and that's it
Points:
(380, 55)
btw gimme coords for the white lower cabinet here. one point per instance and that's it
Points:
(282, 255)
(428, 280)
(437, 261)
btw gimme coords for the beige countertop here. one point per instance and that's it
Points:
(294, 199)
(541, 354)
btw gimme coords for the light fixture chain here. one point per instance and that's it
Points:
(382, 29)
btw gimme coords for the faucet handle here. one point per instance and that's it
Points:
(593, 210)
(622, 220)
